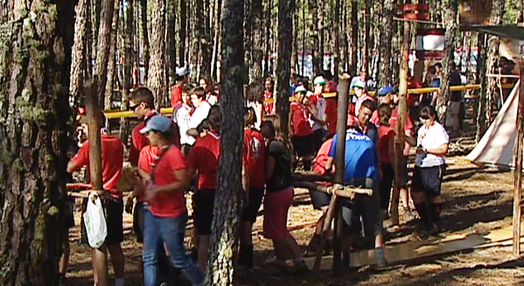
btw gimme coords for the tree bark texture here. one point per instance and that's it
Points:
(354, 34)
(481, 69)
(206, 42)
(217, 40)
(35, 59)
(104, 46)
(171, 44)
(94, 21)
(111, 65)
(294, 55)
(367, 43)
(145, 37)
(224, 239)
(257, 11)
(285, 21)
(450, 20)
(338, 61)
(386, 27)
(182, 33)
(313, 7)
(128, 36)
(320, 34)
(156, 78)
(198, 27)
(77, 54)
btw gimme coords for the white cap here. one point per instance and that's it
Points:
(300, 88)
(319, 80)
(181, 71)
(360, 84)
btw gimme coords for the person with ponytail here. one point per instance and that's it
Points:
(386, 154)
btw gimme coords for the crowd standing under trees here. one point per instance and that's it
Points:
(230, 42)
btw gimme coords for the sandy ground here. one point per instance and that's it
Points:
(477, 201)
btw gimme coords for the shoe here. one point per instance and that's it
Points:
(408, 215)
(430, 229)
(299, 268)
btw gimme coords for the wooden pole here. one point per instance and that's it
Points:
(342, 116)
(399, 128)
(93, 113)
(518, 168)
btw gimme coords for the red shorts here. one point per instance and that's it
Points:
(276, 206)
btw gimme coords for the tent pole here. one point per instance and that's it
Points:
(518, 168)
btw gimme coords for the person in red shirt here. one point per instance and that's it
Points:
(181, 78)
(165, 216)
(301, 132)
(362, 95)
(256, 163)
(203, 159)
(413, 99)
(386, 154)
(112, 154)
(269, 85)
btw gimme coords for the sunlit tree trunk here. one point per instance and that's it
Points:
(315, 57)
(111, 65)
(354, 33)
(156, 76)
(104, 47)
(78, 52)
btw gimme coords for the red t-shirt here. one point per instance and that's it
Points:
(268, 107)
(385, 133)
(144, 162)
(112, 161)
(319, 165)
(331, 114)
(176, 96)
(203, 157)
(255, 157)
(299, 117)
(173, 203)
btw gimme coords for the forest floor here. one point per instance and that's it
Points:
(477, 200)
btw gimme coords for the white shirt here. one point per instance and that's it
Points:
(431, 138)
(212, 99)
(199, 114)
(182, 117)
(321, 113)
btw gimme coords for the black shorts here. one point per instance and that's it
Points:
(203, 212)
(69, 215)
(428, 180)
(385, 185)
(320, 137)
(114, 210)
(304, 145)
(363, 206)
(138, 221)
(250, 212)
(319, 199)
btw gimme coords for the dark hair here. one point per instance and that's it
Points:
(327, 75)
(208, 82)
(271, 80)
(369, 104)
(384, 113)
(200, 92)
(428, 112)
(188, 88)
(255, 92)
(214, 118)
(143, 94)
(250, 117)
(203, 126)
(271, 128)
(439, 65)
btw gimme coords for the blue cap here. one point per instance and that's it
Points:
(385, 90)
(157, 123)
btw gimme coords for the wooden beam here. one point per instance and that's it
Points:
(518, 168)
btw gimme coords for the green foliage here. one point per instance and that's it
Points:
(27, 111)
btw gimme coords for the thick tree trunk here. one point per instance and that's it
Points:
(386, 27)
(198, 28)
(450, 20)
(257, 11)
(77, 54)
(156, 77)
(128, 35)
(111, 65)
(145, 37)
(285, 21)
(226, 221)
(182, 33)
(104, 46)
(34, 110)
(313, 7)
(94, 21)
(354, 34)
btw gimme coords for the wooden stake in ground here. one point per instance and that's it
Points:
(342, 116)
(518, 167)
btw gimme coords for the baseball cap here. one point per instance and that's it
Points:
(300, 88)
(385, 90)
(157, 123)
(319, 80)
(181, 71)
(360, 84)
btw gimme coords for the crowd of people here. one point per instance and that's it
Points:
(179, 154)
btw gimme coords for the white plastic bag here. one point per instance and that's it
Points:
(95, 221)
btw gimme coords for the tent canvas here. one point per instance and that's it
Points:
(497, 145)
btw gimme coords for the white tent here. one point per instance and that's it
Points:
(497, 145)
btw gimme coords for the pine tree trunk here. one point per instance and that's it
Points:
(145, 37)
(315, 58)
(226, 221)
(95, 28)
(77, 55)
(338, 56)
(104, 46)
(170, 38)
(35, 60)
(354, 34)
(450, 20)
(520, 11)
(257, 11)
(320, 33)
(156, 78)
(386, 27)
(367, 43)
(206, 43)
(217, 40)
(481, 70)
(183, 33)
(345, 46)
(294, 54)
(285, 22)
(111, 65)
(198, 27)
(128, 35)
